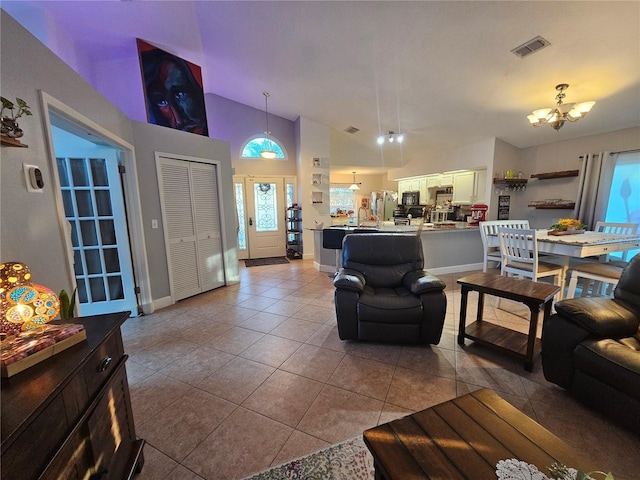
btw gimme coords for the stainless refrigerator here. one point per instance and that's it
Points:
(383, 203)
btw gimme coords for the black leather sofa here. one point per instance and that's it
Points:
(384, 295)
(591, 347)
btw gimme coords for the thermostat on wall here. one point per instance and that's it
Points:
(33, 178)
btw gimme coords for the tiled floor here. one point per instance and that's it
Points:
(235, 380)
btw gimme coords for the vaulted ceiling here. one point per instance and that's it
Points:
(442, 72)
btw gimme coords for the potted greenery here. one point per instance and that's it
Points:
(9, 125)
(67, 304)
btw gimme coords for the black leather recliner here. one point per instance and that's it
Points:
(384, 295)
(591, 347)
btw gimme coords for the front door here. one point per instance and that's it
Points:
(265, 211)
(94, 207)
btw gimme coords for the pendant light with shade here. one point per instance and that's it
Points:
(268, 151)
(354, 185)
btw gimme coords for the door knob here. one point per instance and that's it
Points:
(250, 221)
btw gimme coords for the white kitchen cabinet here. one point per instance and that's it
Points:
(480, 189)
(463, 188)
(403, 186)
(446, 180)
(433, 181)
(424, 192)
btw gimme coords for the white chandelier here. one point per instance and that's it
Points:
(268, 152)
(561, 113)
(391, 137)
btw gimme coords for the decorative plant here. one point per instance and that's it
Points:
(568, 224)
(8, 124)
(67, 304)
(23, 108)
(559, 471)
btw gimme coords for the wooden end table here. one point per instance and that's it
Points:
(465, 438)
(535, 295)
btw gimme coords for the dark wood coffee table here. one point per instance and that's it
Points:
(535, 295)
(465, 438)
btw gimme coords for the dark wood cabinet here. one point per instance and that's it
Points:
(70, 416)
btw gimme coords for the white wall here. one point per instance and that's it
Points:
(236, 122)
(29, 229)
(559, 156)
(368, 183)
(472, 156)
(313, 141)
(150, 139)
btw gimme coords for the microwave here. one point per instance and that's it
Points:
(411, 198)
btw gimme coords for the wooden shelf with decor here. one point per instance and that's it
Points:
(509, 181)
(553, 206)
(12, 142)
(549, 175)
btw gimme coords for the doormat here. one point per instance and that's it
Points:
(259, 262)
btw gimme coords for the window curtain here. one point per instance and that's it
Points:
(591, 200)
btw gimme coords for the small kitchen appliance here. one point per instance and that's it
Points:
(478, 214)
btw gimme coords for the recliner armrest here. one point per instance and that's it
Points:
(603, 317)
(349, 280)
(421, 281)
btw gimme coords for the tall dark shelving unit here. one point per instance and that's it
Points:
(294, 232)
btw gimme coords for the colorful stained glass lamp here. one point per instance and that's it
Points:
(23, 305)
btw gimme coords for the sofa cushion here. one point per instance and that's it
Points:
(601, 316)
(421, 281)
(611, 362)
(383, 258)
(386, 305)
(349, 280)
(628, 288)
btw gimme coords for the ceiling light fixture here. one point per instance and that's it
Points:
(561, 113)
(354, 185)
(268, 152)
(390, 137)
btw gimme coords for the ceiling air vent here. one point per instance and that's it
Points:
(530, 47)
(352, 130)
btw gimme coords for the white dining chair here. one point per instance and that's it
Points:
(618, 229)
(604, 275)
(490, 227)
(519, 254)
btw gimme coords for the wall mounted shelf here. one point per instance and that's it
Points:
(12, 142)
(316, 198)
(510, 181)
(563, 174)
(553, 206)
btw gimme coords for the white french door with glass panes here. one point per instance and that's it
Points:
(265, 214)
(191, 223)
(94, 207)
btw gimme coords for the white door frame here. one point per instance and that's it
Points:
(254, 238)
(287, 179)
(223, 233)
(132, 197)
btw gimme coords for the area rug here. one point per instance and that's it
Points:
(259, 262)
(349, 460)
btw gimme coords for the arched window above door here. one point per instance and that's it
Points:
(253, 147)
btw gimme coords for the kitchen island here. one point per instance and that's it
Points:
(450, 247)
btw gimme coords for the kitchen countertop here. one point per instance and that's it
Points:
(390, 227)
(450, 249)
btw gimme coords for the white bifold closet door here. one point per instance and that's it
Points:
(191, 221)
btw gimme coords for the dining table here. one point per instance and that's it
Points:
(578, 245)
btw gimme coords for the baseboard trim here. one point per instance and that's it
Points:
(455, 268)
(163, 302)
